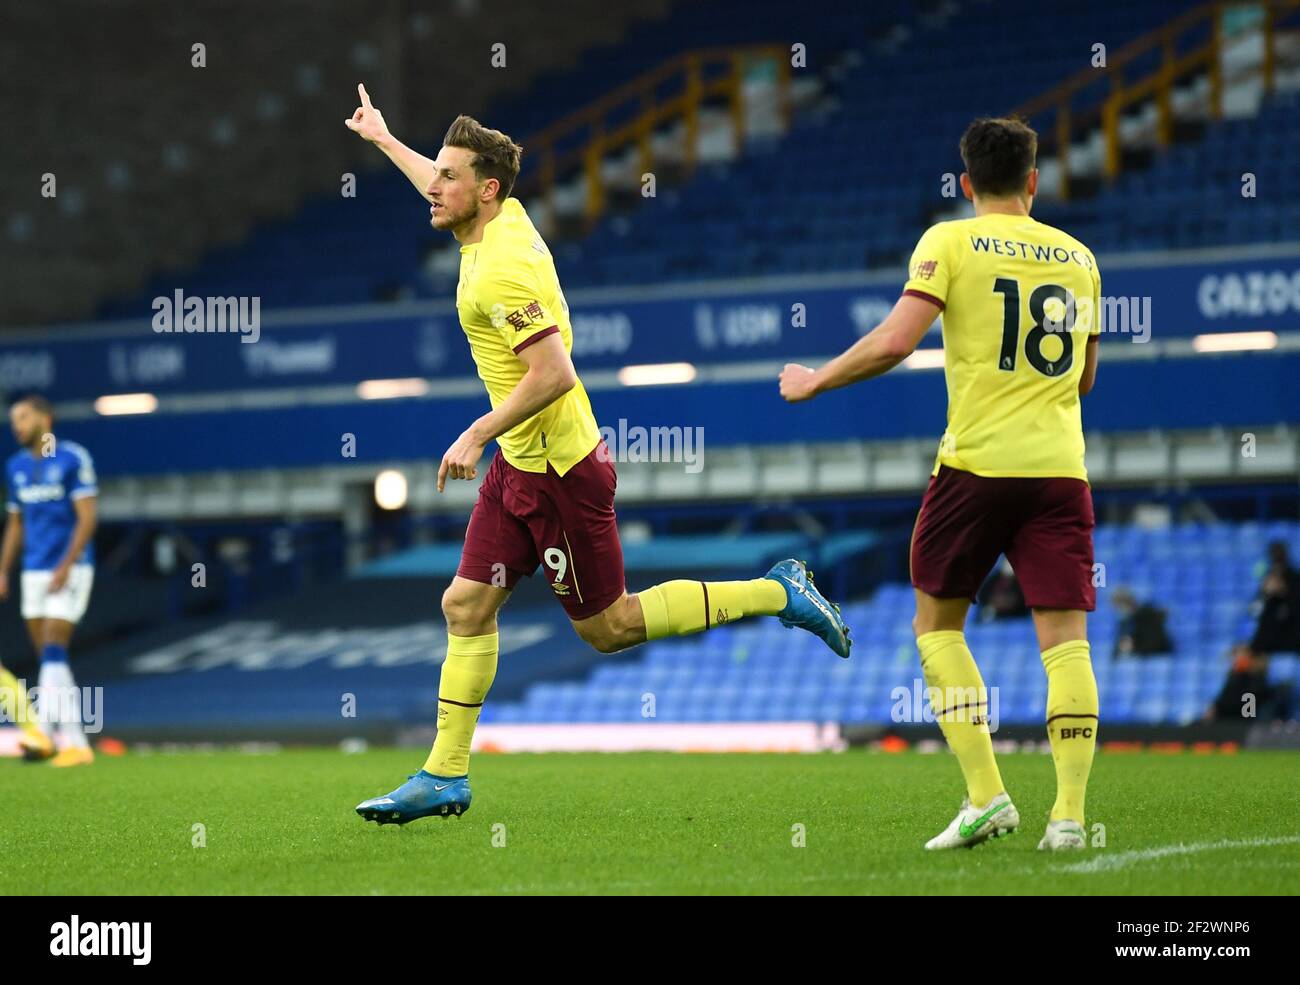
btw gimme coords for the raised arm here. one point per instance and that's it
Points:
(369, 123)
(879, 351)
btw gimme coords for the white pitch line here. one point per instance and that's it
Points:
(1120, 860)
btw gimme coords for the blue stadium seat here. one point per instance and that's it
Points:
(758, 671)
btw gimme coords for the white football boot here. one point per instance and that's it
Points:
(1063, 835)
(974, 825)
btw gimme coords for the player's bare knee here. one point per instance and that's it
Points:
(617, 627)
(1057, 626)
(628, 622)
(598, 637)
(591, 635)
(466, 615)
(453, 605)
(609, 644)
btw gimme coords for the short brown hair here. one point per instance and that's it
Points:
(37, 403)
(999, 153)
(495, 154)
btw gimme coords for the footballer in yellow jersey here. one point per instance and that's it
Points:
(1020, 303)
(1013, 395)
(509, 292)
(548, 497)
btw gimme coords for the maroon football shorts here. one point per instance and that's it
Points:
(1043, 526)
(565, 523)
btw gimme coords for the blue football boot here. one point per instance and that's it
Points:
(422, 795)
(807, 608)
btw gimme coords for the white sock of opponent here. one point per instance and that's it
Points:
(60, 698)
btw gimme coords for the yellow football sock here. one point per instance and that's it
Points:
(1071, 723)
(960, 703)
(467, 675)
(677, 608)
(14, 703)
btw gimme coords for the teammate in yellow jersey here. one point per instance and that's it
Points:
(548, 497)
(16, 709)
(1020, 303)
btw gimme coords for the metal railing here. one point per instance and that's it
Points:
(629, 116)
(1158, 84)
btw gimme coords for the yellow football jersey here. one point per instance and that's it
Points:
(1019, 301)
(508, 297)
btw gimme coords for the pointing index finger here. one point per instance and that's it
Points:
(365, 100)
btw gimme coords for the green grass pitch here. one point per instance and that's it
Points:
(638, 823)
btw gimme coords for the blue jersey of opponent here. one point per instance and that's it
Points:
(42, 490)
